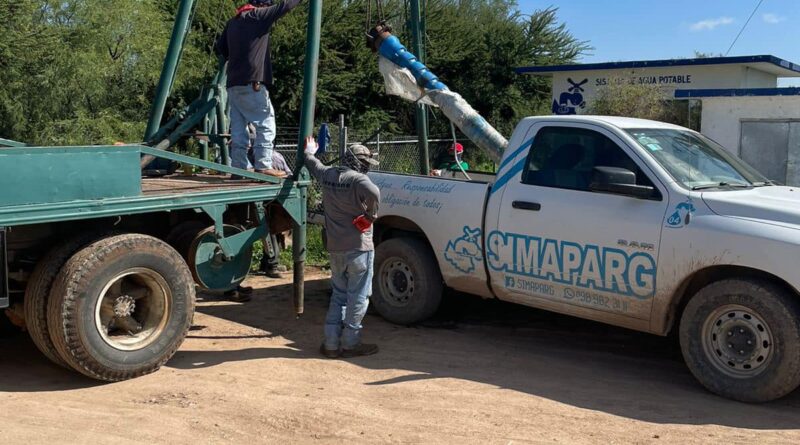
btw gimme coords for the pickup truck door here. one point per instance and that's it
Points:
(559, 243)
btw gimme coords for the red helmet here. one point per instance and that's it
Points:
(456, 148)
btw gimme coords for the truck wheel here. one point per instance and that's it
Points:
(407, 282)
(741, 339)
(121, 307)
(37, 293)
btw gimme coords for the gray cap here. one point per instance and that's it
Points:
(363, 154)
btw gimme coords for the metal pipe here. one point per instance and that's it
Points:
(299, 255)
(176, 42)
(310, 73)
(452, 104)
(421, 110)
(306, 129)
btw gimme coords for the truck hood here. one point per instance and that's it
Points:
(773, 204)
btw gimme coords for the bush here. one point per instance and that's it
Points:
(632, 100)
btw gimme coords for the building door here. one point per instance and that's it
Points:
(773, 148)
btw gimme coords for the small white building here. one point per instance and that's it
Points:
(742, 107)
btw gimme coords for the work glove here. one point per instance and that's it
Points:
(362, 223)
(311, 146)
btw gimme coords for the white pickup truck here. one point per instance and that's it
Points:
(634, 223)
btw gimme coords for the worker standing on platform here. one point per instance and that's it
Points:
(244, 43)
(350, 201)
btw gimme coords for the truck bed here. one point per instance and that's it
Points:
(179, 184)
(157, 194)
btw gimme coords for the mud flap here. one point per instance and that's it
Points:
(3, 269)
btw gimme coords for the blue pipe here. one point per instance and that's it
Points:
(392, 49)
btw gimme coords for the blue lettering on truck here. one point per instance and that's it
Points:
(588, 266)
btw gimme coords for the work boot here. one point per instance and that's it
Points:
(272, 172)
(273, 273)
(241, 294)
(359, 350)
(329, 353)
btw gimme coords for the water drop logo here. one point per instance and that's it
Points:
(465, 251)
(682, 215)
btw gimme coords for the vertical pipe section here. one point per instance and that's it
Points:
(306, 129)
(179, 32)
(421, 110)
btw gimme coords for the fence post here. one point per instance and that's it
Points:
(342, 136)
(378, 144)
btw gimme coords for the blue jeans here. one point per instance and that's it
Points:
(246, 106)
(351, 279)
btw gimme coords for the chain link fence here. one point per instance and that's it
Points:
(396, 153)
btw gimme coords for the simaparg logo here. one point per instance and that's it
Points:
(465, 251)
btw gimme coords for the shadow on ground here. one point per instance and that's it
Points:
(568, 360)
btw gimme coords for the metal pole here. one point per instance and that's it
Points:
(306, 129)
(179, 32)
(421, 112)
(342, 136)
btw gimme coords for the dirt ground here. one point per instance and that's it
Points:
(483, 372)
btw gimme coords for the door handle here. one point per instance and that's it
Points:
(525, 205)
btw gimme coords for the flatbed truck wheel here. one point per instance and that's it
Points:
(37, 293)
(121, 307)
(407, 283)
(741, 339)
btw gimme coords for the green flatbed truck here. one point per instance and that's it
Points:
(102, 249)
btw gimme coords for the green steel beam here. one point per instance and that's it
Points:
(421, 111)
(154, 152)
(89, 209)
(10, 143)
(310, 73)
(176, 42)
(309, 81)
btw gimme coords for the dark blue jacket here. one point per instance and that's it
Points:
(245, 44)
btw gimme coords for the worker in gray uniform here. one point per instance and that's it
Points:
(350, 201)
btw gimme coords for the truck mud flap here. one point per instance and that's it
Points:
(3, 269)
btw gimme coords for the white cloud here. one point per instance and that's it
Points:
(710, 24)
(772, 18)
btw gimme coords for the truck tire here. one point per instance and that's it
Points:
(741, 339)
(407, 282)
(121, 307)
(37, 293)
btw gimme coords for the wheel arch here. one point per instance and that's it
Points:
(703, 277)
(388, 227)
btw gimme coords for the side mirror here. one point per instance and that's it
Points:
(619, 181)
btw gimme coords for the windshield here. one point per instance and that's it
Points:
(696, 161)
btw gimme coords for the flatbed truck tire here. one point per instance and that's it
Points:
(121, 307)
(37, 293)
(407, 283)
(741, 339)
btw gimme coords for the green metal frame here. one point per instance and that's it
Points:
(10, 143)
(210, 113)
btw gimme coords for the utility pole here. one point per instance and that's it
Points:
(415, 26)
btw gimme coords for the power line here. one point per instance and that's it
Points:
(744, 26)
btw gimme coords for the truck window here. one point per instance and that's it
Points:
(564, 157)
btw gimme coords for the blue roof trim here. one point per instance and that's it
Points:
(736, 92)
(662, 63)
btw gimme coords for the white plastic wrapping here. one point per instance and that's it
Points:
(400, 82)
(475, 127)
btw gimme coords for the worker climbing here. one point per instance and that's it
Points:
(245, 44)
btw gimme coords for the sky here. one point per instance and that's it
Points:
(662, 29)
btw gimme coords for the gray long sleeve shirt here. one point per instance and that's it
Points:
(346, 195)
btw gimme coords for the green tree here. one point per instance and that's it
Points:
(84, 71)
